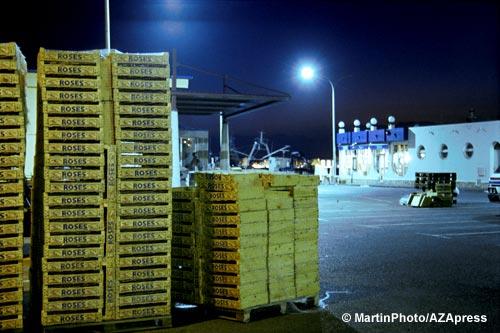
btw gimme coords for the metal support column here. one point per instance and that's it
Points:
(107, 29)
(334, 138)
(224, 143)
(174, 126)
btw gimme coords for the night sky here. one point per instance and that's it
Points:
(421, 62)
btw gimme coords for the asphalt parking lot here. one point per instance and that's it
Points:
(379, 257)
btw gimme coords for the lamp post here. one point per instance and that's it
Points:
(107, 29)
(308, 73)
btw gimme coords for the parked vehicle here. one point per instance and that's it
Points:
(494, 186)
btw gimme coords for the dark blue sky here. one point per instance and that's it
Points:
(419, 61)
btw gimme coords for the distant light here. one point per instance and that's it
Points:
(185, 306)
(173, 6)
(307, 73)
(174, 27)
(407, 158)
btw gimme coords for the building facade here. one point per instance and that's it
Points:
(392, 156)
(194, 141)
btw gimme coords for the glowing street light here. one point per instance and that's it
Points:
(307, 73)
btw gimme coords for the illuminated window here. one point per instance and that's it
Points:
(364, 160)
(380, 161)
(354, 160)
(421, 152)
(345, 161)
(468, 150)
(443, 153)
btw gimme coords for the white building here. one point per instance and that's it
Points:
(392, 156)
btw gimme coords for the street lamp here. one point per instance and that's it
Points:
(307, 73)
(107, 29)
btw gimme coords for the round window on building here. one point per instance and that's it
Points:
(443, 153)
(468, 150)
(421, 152)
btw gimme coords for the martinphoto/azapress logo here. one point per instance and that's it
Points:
(346, 317)
(442, 317)
(456, 319)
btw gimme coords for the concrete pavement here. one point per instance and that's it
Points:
(379, 257)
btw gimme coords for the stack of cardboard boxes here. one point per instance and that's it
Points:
(141, 96)
(12, 149)
(68, 244)
(258, 235)
(186, 250)
(102, 194)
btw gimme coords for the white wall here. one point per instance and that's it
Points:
(31, 124)
(475, 170)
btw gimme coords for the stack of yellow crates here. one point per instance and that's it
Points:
(141, 96)
(281, 235)
(12, 149)
(303, 191)
(186, 273)
(259, 240)
(235, 233)
(444, 192)
(102, 191)
(69, 177)
(306, 256)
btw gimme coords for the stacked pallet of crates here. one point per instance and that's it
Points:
(186, 273)
(428, 180)
(12, 149)
(235, 236)
(420, 180)
(444, 193)
(304, 191)
(439, 187)
(281, 234)
(141, 96)
(305, 204)
(68, 232)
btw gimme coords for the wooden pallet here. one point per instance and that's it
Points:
(245, 315)
(115, 326)
(265, 310)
